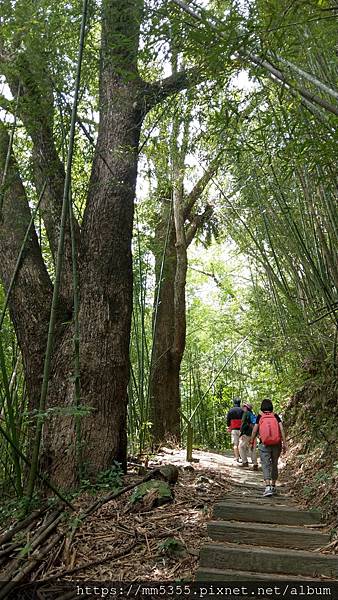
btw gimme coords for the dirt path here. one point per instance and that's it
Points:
(257, 538)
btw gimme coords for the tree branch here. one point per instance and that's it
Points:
(155, 93)
(279, 76)
(197, 223)
(200, 186)
(29, 301)
(36, 108)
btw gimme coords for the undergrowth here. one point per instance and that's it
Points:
(311, 418)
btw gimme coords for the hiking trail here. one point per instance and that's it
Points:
(263, 538)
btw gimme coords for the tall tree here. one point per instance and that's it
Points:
(182, 216)
(104, 242)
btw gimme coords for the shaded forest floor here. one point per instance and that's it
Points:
(121, 541)
(161, 543)
(125, 542)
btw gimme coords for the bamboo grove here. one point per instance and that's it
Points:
(169, 223)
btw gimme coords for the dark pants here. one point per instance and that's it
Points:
(269, 456)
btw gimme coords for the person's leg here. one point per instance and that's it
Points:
(235, 442)
(253, 454)
(244, 449)
(275, 453)
(265, 456)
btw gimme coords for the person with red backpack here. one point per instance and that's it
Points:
(270, 430)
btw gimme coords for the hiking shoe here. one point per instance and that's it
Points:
(255, 468)
(268, 491)
(244, 464)
(274, 490)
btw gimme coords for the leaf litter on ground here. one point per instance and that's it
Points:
(117, 543)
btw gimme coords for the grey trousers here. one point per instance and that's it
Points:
(269, 456)
(245, 450)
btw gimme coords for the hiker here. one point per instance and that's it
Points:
(234, 421)
(270, 430)
(245, 449)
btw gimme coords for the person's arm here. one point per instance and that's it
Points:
(284, 443)
(228, 419)
(242, 424)
(254, 434)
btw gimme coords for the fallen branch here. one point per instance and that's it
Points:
(167, 472)
(16, 573)
(41, 535)
(36, 557)
(10, 548)
(8, 535)
(93, 563)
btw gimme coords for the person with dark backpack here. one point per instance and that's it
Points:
(270, 430)
(234, 422)
(248, 421)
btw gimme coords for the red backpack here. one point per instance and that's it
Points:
(269, 431)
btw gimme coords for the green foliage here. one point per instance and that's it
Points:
(274, 196)
(172, 547)
(110, 479)
(70, 411)
(16, 508)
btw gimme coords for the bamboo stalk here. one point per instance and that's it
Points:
(8, 535)
(76, 339)
(9, 152)
(59, 260)
(43, 533)
(20, 255)
(11, 419)
(39, 475)
(36, 557)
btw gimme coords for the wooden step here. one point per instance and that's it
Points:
(258, 499)
(209, 574)
(280, 515)
(272, 560)
(273, 536)
(256, 485)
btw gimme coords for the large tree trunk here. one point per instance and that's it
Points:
(106, 280)
(104, 254)
(106, 291)
(165, 368)
(169, 330)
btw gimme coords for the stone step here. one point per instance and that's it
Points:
(273, 536)
(271, 560)
(209, 574)
(266, 513)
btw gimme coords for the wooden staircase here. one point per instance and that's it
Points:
(264, 539)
